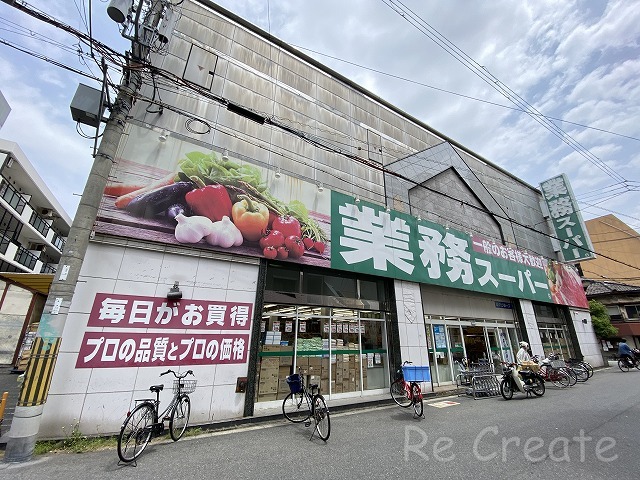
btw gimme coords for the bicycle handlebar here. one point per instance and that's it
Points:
(188, 372)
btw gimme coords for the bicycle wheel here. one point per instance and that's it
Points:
(180, 417)
(296, 407)
(582, 375)
(588, 367)
(560, 378)
(399, 393)
(622, 365)
(573, 378)
(321, 417)
(135, 433)
(418, 405)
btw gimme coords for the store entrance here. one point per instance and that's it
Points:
(475, 344)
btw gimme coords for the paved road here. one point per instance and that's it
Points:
(588, 431)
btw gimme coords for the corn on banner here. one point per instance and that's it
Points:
(39, 372)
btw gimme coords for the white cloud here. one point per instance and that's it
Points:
(572, 59)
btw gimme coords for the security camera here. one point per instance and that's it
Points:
(174, 296)
(174, 293)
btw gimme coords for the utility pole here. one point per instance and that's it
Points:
(39, 372)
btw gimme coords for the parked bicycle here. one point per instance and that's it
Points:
(574, 362)
(554, 371)
(578, 371)
(405, 389)
(144, 421)
(304, 404)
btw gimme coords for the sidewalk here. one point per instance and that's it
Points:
(8, 383)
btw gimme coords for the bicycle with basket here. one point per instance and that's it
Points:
(303, 404)
(406, 391)
(145, 421)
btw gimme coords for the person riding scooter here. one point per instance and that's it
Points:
(523, 353)
(625, 353)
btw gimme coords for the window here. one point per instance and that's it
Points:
(633, 311)
(329, 285)
(614, 312)
(283, 279)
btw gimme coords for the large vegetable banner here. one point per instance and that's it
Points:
(241, 206)
(178, 194)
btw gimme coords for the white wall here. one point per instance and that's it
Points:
(100, 398)
(589, 344)
(535, 342)
(413, 337)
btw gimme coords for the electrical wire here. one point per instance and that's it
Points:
(482, 73)
(324, 144)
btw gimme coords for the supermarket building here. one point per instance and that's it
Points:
(413, 257)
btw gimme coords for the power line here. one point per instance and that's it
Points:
(319, 142)
(482, 73)
(462, 95)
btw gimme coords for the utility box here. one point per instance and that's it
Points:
(85, 106)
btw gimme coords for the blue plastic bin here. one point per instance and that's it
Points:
(416, 373)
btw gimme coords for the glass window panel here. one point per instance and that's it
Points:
(375, 373)
(281, 279)
(369, 290)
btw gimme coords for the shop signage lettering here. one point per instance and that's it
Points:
(126, 311)
(567, 220)
(124, 349)
(367, 239)
(506, 305)
(117, 346)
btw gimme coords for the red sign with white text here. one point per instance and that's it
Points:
(128, 311)
(225, 340)
(124, 349)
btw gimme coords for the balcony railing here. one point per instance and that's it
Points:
(48, 268)
(26, 258)
(58, 241)
(12, 197)
(4, 243)
(37, 222)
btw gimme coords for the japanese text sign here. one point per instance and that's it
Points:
(118, 349)
(126, 311)
(567, 220)
(116, 345)
(367, 239)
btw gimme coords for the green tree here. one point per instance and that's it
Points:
(601, 320)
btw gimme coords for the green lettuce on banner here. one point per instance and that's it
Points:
(365, 238)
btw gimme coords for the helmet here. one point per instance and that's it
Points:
(524, 344)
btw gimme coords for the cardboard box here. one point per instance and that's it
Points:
(283, 386)
(315, 362)
(270, 362)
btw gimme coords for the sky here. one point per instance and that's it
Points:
(468, 69)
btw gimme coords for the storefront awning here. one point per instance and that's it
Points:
(40, 282)
(627, 328)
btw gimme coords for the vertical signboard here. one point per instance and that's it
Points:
(567, 220)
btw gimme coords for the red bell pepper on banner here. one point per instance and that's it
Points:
(211, 201)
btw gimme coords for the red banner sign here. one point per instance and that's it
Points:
(118, 349)
(128, 311)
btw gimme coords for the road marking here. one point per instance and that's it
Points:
(443, 404)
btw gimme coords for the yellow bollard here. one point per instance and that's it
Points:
(3, 403)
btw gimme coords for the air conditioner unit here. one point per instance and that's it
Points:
(38, 247)
(46, 212)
